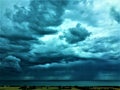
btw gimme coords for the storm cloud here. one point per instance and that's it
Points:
(60, 40)
(76, 34)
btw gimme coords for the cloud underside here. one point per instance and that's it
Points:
(60, 40)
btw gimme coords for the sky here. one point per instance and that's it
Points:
(60, 40)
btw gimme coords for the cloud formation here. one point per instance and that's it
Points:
(76, 34)
(40, 15)
(60, 40)
(115, 14)
(11, 62)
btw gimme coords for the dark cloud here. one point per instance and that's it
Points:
(15, 41)
(41, 14)
(48, 12)
(44, 58)
(11, 63)
(30, 47)
(76, 70)
(25, 26)
(44, 31)
(16, 33)
(66, 69)
(115, 14)
(16, 36)
(76, 34)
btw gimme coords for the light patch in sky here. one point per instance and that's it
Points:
(68, 24)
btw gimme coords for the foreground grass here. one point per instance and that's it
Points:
(59, 88)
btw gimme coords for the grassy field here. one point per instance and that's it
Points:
(59, 88)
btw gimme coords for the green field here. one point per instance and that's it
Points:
(59, 88)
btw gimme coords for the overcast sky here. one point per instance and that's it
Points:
(60, 39)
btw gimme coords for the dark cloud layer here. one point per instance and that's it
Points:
(35, 45)
(83, 70)
(28, 24)
(41, 14)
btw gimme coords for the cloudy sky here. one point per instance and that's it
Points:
(60, 39)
